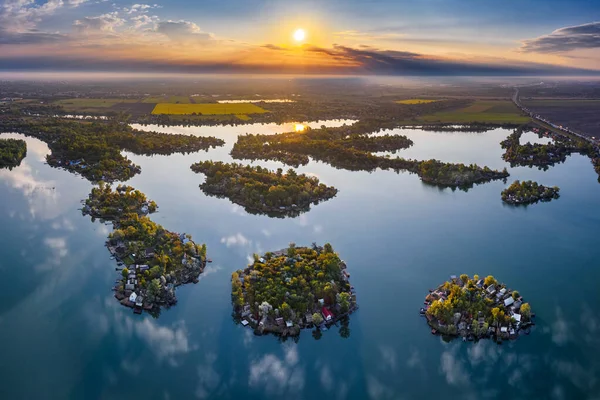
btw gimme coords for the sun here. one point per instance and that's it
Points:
(299, 35)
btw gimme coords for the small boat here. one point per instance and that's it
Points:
(112, 257)
(433, 331)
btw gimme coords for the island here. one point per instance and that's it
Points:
(287, 290)
(528, 192)
(261, 191)
(476, 308)
(12, 152)
(152, 260)
(349, 147)
(93, 149)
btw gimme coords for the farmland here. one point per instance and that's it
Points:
(84, 104)
(416, 101)
(480, 111)
(580, 115)
(167, 99)
(207, 109)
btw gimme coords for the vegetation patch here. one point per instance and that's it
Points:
(475, 308)
(208, 109)
(528, 192)
(93, 149)
(416, 101)
(156, 260)
(12, 152)
(287, 290)
(350, 148)
(261, 191)
(480, 111)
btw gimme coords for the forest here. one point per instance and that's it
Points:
(344, 150)
(260, 190)
(93, 149)
(12, 152)
(529, 192)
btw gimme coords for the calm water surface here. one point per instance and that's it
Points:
(63, 336)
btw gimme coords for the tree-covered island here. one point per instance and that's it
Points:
(528, 192)
(476, 308)
(287, 290)
(350, 148)
(155, 261)
(12, 152)
(93, 149)
(260, 190)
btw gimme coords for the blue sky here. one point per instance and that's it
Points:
(341, 36)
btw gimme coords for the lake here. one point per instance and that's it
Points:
(63, 335)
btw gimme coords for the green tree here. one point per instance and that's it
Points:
(344, 302)
(464, 278)
(125, 272)
(153, 291)
(285, 310)
(526, 311)
(317, 318)
(515, 295)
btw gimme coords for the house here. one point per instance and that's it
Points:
(143, 267)
(508, 301)
(244, 322)
(261, 260)
(327, 315)
(289, 324)
(491, 289)
(322, 302)
(308, 317)
(479, 283)
(279, 321)
(504, 329)
(139, 301)
(129, 286)
(149, 252)
(132, 297)
(517, 318)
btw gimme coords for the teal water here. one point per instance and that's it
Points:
(63, 336)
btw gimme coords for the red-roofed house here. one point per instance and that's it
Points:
(327, 314)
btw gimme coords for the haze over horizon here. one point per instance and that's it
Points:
(380, 37)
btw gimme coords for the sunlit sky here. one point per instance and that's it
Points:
(386, 37)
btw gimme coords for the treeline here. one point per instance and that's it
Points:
(93, 149)
(260, 190)
(343, 149)
(12, 152)
(528, 192)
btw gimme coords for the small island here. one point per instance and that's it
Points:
(261, 191)
(12, 152)
(475, 308)
(152, 260)
(287, 290)
(528, 192)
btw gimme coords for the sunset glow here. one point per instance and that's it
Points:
(299, 35)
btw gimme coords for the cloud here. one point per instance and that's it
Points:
(208, 378)
(236, 240)
(454, 369)
(103, 23)
(586, 36)
(58, 245)
(166, 342)
(22, 15)
(278, 376)
(182, 31)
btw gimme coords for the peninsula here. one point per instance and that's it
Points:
(476, 308)
(287, 290)
(528, 192)
(154, 260)
(261, 191)
(12, 152)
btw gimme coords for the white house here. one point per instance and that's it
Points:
(509, 301)
(132, 297)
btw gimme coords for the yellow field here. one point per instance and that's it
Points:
(416, 101)
(208, 109)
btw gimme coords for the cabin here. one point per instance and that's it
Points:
(289, 324)
(132, 297)
(149, 252)
(327, 315)
(244, 322)
(139, 301)
(508, 301)
(309, 319)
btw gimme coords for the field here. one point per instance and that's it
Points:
(578, 114)
(208, 109)
(416, 101)
(91, 103)
(482, 111)
(167, 99)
